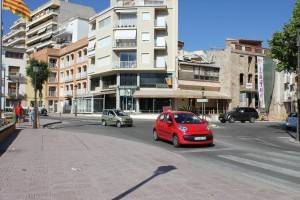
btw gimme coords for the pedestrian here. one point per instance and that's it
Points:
(31, 116)
(19, 113)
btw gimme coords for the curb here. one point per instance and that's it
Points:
(292, 140)
(52, 123)
(6, 131)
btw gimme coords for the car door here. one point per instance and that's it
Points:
(169, 127)
(160, 123)
(111, 117)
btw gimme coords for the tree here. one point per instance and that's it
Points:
(41, 76)
(283, 45)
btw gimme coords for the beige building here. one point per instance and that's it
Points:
(132, 52)
(238, 76)
(46, 21)
(16, 37)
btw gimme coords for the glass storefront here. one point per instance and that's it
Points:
(154, 105)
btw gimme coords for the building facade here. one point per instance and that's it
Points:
(14, 76)
(47, 20)
(17, 35)
(132, 55)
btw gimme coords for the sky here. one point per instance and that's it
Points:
(205, 24)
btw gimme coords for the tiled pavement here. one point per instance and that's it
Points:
(50, 164)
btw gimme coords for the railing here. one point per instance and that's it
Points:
(160, 63)
(69, 78)
(125, 23)
(153, 3)
(69, 93)
(81, 92)
(52, 93)
(91, 69)
(160, 24)
(92, 33)
(160, 44)
(124, 44)
(125, 64)
(53, 65)
(37, 18)
(52, 80)
(82, 59)
(12, 92)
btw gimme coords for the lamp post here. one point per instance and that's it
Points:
(35, 70)
(298, 85)
(75, 98)
(203, 89)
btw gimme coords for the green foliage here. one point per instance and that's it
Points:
(41, 76)
(283, 45)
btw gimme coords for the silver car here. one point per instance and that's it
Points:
(116, 117)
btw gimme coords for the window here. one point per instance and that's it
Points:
(145, 58)
(162, 117)
(16, 55)
(95, 82)
(153, 80)
(241, 79)
(206, 73)
(145, 36)
(127, 56)
(146, 16)
(104, 61)
(103, 23)
(128, 79)
(104, 42)
(250, 78)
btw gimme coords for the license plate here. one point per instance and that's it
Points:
(200, 138)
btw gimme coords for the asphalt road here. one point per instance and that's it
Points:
(259, 152)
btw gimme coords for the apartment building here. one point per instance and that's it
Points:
(14, 72)
(240, 61)
(46, 21)
(132, 55)
(73, 84)
(15, 38)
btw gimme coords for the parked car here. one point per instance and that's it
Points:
(44, 112)
(242, 114)
(291, 122)
(182, 128)
(116, 117)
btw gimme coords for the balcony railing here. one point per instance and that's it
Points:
(153, 3)
(82, 59)
(12, 92)
(69, 93)
(125, 64)
(160, 24)
(52, 80)
(91, 68)
(124, 44)
(53, 66)
(81, 92)
(52, 93)
(126, 23)
(69, 78)
(81, 75)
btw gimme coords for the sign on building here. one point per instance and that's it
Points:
(261, 89)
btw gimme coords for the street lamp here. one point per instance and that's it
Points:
(298, 86)
(35, 71)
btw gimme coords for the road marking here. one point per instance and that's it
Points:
(284, 156)
(203, 150)
(265, 166)
(293, 153)
(277, 160)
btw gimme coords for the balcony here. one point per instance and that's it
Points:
(91, 69)
(160, 24)
(69, 93)
(153, 3)
(81, 92)
(16, 78)
(92, 34)
(82, 59)
(52, 94)
(160, 43)
(160, 63)
(126, 24)
(52, 80)
(42, 17)
(53, 66)
(69, 78)
(12, 92)
(125, 65)
(124, 44)
(140, 3)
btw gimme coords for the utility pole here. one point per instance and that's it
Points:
(35, 124)
(298, 86)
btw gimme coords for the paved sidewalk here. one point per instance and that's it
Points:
(51, 164)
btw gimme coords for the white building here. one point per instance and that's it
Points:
(14, 72)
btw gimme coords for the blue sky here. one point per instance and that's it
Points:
(205, 24)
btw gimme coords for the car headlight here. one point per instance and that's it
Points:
(182, 128)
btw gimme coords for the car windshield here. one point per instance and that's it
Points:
(186, 118)
(234, 109)
(120, 113)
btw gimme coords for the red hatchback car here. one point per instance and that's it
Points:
(182, 128)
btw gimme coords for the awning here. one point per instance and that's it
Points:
(183, 94)
(125, 34)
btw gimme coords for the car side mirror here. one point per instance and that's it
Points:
(169, 122)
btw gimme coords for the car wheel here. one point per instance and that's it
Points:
(231, 119)
(155, 136)
(175, 141)
(119, 125)
(252, 120)
(243, 121)
(223, 121)
(104, 123)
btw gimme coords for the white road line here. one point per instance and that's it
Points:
(277, 160)
(253, 163)
(284, 156)
(293, 153)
